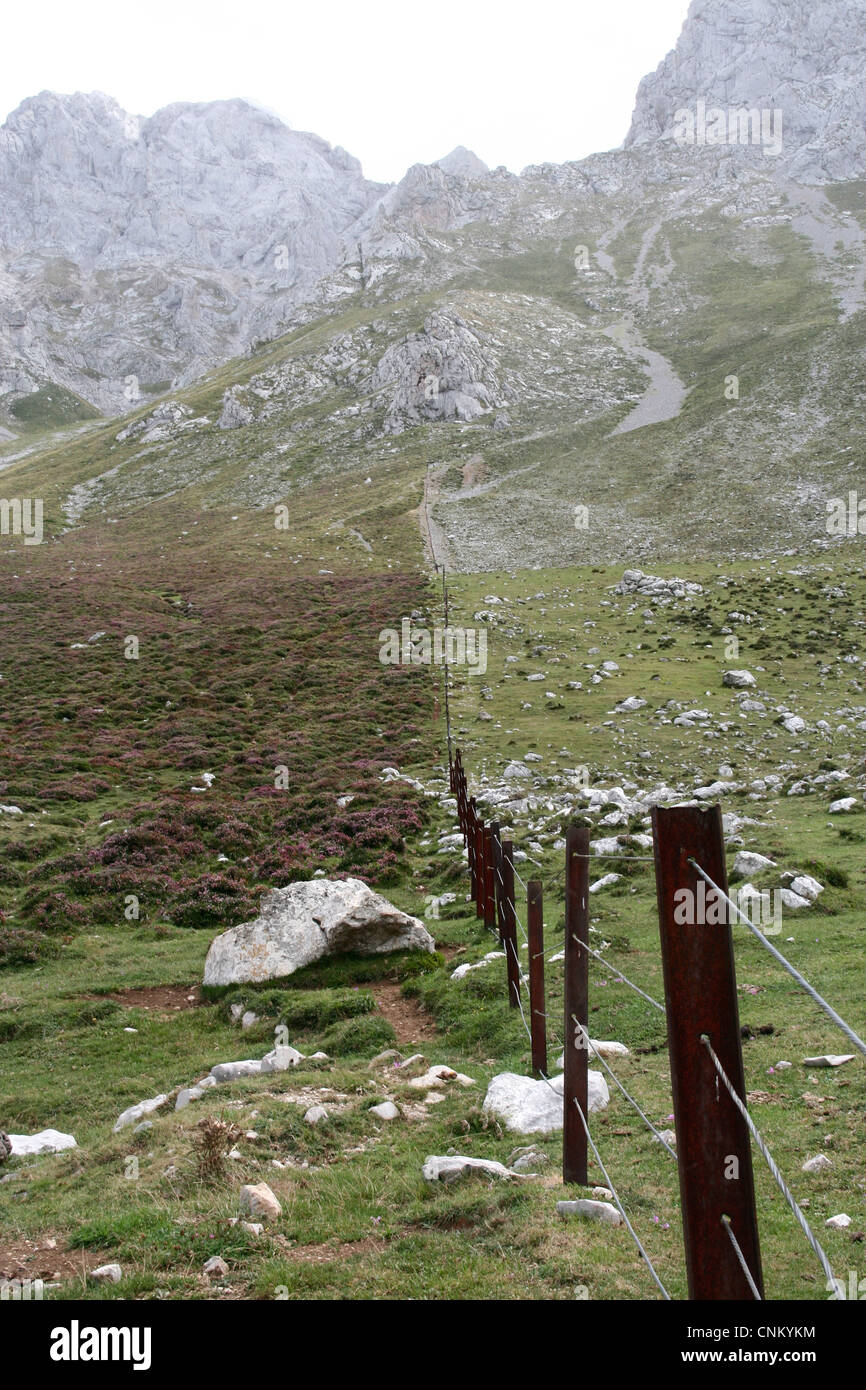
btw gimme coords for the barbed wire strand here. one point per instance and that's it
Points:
(792, 971)
(598, 1057)
(619, 1204)
(624, 979)
(726, 1222)
(770, 1161)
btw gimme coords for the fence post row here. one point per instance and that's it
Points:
(489, 905)
(509, 934)
(499, 881)
(575, 1079)
(537, 1002)
(713, 1149)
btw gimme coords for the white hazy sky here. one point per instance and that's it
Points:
(395, 82)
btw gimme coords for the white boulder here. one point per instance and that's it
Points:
(306, 921)
(47, 1141)
(535, 1107)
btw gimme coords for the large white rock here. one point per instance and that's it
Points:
(47, 1141)
(302, 923)
(738, 680)
(535, 1107)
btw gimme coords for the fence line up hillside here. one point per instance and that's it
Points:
(712, 1123)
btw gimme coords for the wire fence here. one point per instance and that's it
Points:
(504, 909)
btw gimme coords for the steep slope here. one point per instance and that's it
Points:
(802, 59)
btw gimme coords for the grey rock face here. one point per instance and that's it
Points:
(805, 59)
(148, 250)
(306, 921)
(442, 373)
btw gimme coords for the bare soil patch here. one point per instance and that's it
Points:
(410, 1021)
(165, 999)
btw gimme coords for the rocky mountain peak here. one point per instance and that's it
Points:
(463, 163)
(799, 66)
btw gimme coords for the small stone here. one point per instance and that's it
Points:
(831, 1059)
(594, 1211)
(838, 1223)
(253, 1228)
(143, 1127)
(390, 1055)
(451, 1168)
(216, 1267)
(230, 1071)
(819, 1164)
(386, 1111)
(315, 1115)
(257, 1199)
(107, 1274)
(748, 862)
(281, 1059)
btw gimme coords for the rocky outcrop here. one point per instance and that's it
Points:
(803, 59)
(302, 923)
(441, 373)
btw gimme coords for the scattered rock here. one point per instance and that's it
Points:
(819, 1164)
(191, 1093)
(107, 1274)
(595, 1211)
(829, 1060)
(386, 1111)
(535, 1107)
(47, 1141)
(136, 1112)
(315, 1115)
(257, 1199)
(450, 1168)
(838, 1223)
(738, 680)
(216, 1267)
(230, 1071)
(807, 887)
(607, 882)
(283, 1059)
(748, 862)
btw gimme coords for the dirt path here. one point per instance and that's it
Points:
(411, 1022)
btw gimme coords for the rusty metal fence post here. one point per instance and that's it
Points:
(575, 1081)
(713, 1150)
(537, 1002)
